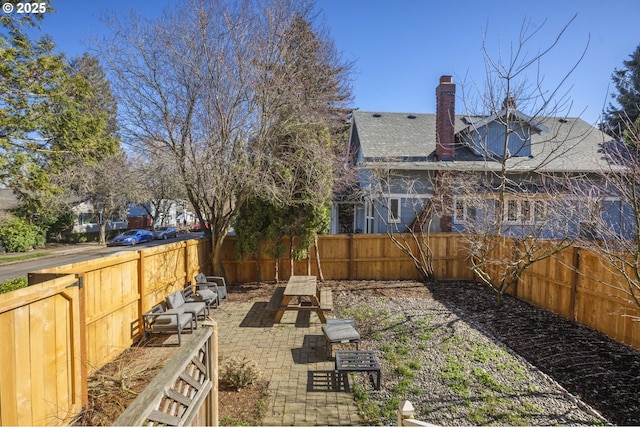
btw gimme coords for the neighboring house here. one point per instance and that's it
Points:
(87, 221)
(173, 212)
(137, 217)
(8, 200)
(401, 155)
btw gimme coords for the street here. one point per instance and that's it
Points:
(72, 255)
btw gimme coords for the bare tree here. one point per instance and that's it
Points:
(104, 184)
(158, 188)
(610, 213)
(195, 84)
(425, 204)
(516, 189)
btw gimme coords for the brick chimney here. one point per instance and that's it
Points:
(445, 118)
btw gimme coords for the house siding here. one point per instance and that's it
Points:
(489, 140)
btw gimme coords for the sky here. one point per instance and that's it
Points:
(401, 47)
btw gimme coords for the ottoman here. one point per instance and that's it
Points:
(340, 331)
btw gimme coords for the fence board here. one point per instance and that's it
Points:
(37, 384)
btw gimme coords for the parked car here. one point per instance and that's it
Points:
(131, 237)
(165, 233)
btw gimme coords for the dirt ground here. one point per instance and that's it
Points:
(601, 372)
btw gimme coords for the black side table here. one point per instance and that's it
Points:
(357, 361)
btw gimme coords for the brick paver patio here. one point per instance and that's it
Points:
(292, 357)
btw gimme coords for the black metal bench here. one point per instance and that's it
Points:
(356, 361)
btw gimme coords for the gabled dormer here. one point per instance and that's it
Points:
(504, 134)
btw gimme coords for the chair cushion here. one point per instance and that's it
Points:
(175, 300)
(195, 307)
(166, 322)
(341, 330)
(165, 319)
(205, 295)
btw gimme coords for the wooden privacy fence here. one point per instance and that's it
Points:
(575, 283)
(41, 380)
(74, 319)
(354, 257)
(580, 285)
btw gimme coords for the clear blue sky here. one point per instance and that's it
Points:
(402, 47)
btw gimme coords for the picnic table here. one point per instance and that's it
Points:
(301, 294)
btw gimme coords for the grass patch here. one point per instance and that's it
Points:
(228, 421)
(403, 387)
(390, 408)
(23, 257)
(363, 313)
(403, 350)
(454, 372)
(368, 410)
(481, 352)
(414, 365)
(487, 380)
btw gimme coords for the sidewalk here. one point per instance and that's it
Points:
(49, 252)
(292, 357)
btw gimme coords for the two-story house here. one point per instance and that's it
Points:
(403, 158)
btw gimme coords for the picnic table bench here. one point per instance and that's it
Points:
(301, 294)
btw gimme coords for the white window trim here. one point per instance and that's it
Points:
(456, 218)
(531, 220)
(369, 217)
(469, 210)
(391, 213)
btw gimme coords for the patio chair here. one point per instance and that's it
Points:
(215, 283)
(208, 296)
(176, 301)
(159, 321)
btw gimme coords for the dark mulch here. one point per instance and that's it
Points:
(602, 372)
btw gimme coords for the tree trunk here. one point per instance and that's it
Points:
(291, 262)
(102, 233)
(318, 266)
(499, 301)
(258, 270)
(216, 261)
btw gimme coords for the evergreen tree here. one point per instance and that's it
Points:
(627, 83)
(52, 115)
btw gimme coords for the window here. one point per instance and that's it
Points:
(463, 211)
(539, 211)
(368, 217)
(521, 211)
(512, 210)
(394, 210)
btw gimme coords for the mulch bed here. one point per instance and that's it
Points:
(600, 371)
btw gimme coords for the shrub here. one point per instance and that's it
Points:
(13, 284)
(239, 373)
(18, 236)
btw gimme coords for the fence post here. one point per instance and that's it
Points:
(405, 410)
(575, 266)
(352, 266)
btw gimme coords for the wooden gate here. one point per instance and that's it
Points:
(40, 363)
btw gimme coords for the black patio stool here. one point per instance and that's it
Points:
(356, 361)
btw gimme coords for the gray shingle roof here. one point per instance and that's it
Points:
(407, 141)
